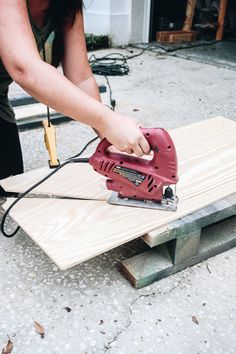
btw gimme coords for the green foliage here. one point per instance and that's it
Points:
(94, 42)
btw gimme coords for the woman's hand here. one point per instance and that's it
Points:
(124, 134)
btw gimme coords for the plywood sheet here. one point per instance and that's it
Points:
(80, 181)
(77, 180)
(72, 231)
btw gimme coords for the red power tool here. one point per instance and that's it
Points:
(137, 181)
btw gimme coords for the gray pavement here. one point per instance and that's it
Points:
(91, 308)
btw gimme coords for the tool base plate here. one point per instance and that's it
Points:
(148, 204)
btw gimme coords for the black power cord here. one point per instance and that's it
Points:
(114, 64)
(111, 64)
(45, 60)
(174, 48)
(73, 159)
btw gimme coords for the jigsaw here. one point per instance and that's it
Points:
(140, 182)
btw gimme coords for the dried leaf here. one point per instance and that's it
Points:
(9, 347)
(195, 320)
(39, 329)
(68, 309)
(207, 267)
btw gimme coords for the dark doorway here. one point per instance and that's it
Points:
(169, 15)
(166, 15)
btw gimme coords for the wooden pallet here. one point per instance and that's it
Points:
(182, 243)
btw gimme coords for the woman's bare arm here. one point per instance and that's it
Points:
(19, 54)
(75, 60)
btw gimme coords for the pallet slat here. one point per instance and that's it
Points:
(213, 213)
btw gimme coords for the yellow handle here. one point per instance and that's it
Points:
(50, 142)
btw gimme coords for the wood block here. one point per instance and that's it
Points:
(71, 231)
(184, 247)
(176, 36)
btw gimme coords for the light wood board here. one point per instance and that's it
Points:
(76, 180)
(72, 231)
(31, 110)
(80, 181)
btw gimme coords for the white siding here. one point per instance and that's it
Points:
(125, 21)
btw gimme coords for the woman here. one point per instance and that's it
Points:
(24, 27)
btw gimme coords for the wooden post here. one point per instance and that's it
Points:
(184, 247)
(191, 4)
(221, 20)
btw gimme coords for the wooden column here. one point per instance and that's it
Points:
(221, 20)
(189, 15)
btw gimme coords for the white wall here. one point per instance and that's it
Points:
(125, 21)
(120, 21)
(96, 16)
(109, 17)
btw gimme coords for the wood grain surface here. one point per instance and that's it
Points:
(80, 181)
(72, 231)
(77, 180)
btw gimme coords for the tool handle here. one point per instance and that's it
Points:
(104, 144)
(158, 139)
(164, 164)
(50, 142)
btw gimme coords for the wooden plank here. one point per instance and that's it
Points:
(213, 213)
(176, 36)
(32, 110)
(71, 231)
(156, 264)
(79, 180)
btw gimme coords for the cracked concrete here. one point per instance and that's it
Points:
(91, 308)
(108, 346)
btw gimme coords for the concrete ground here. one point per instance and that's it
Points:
(91, 308)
